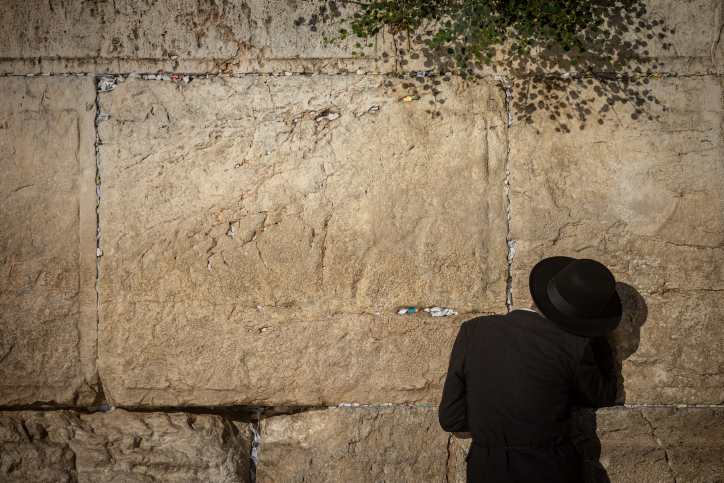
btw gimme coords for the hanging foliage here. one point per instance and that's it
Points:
(470, 29)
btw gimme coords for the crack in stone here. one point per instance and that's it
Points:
(10, 349)
(449, 459)
(666, 454)
(718, 38)
(260, 256)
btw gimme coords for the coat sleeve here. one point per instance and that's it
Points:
(453, 413)
(595, 377)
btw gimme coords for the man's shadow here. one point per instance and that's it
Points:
(624, 342)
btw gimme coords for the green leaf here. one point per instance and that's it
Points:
(469, 28)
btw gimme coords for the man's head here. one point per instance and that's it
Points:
(577, 295)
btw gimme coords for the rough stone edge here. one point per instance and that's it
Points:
(87, 276)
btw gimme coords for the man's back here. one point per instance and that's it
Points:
(511, 381)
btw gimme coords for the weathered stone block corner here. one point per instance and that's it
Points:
(230, 233)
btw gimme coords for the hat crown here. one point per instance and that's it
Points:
(583, 287)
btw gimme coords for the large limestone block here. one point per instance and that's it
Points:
(47, 242)
(222, 355)
(654, 36)
(630, 174)
(122, 446)
(226, 195)
(353, 444)
(188, 36)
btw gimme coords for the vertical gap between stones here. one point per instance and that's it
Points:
(507, 85)
(255, 427)
(96, 121)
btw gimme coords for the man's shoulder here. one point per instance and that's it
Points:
(483, 320)
(520, 322)
(516, 316)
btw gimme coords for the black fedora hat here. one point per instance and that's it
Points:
(578, 295)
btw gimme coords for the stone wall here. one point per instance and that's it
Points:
(243, 230)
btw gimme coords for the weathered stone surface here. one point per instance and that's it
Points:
(654, 36)
(693, 439)
(186, 36)
(47, 242)
(121, 446)
(630, 174)
(678, 353)
(221, 355)
(266, 36)
(618, 445)
(353, 444)
(369, 212)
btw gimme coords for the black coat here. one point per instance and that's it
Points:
(511, 382)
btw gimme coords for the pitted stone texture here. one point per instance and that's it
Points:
(353, 444)
(123, 446)
(186, 36)
(655, 36)
(630, 174)
(224, 355)
(618, 445)
(47, 242)
(369, 212)
(678, 350)
(693, 439)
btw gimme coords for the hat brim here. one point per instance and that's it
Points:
(606, 321)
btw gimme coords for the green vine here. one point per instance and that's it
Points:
(470, 29)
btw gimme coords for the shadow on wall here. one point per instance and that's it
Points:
(331, 12)
(423, 85)
(585, 439)
(572, 103)
(625, 339)
(632, 37)
(624, 342)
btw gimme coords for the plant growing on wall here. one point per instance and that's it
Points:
(470, 29)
